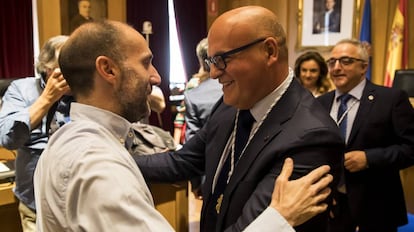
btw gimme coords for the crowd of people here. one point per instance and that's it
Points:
(317, 147)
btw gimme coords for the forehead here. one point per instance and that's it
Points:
(310, 63)
(84, 3)
(345, 49)
(135, 44)
(227, 34)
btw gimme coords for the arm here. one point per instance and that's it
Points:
(389, 139)
(128, 206)
(314, 149)
(157, 100)
(191, 119)
(55, 88)
(23, 109)
(294, 202)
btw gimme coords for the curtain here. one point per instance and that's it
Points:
(191, 23)
(16, 39)
(157, 13)
(191, 18)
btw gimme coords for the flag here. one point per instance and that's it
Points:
(365, 33)
(397, 54)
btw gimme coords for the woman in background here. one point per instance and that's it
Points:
(312, 71)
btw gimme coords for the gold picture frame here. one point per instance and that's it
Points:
(342, 22)
(71, 16)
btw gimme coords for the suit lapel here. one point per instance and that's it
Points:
(267, 132)
(224, 117)
(367, 100)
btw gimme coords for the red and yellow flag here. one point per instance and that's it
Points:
(397, 56)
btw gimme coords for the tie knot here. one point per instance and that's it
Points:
(246, 118)
(345, 97)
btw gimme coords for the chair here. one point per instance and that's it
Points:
(4, 84)
(404, 79)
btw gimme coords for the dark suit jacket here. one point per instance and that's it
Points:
(333, 26)
(384, 129)
(296, 127)
(199, 102)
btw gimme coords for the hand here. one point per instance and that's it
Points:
(56, 87)
(299, 200)
(356, 161)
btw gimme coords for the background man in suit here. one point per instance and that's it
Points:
(379, 134)
(249, 57)
(329, 19)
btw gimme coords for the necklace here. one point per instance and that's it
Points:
(255, 128)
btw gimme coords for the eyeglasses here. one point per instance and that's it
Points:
(344, 61)
(220, 60)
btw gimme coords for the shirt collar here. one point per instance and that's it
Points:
(261, 107)
(117, 125)
(356, 92)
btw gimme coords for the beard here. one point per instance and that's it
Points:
(132, 96)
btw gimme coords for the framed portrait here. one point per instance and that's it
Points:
(76, 12)
(322, 23)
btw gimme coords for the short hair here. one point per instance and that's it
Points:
(201, 51)
(271, 25)
(48, 56)
(362, 49)
(87, 42)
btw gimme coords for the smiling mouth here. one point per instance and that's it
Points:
(227, 83)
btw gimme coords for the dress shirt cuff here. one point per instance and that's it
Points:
(269, 220)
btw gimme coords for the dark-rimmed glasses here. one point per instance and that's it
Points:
(344, 61)
(219, 60)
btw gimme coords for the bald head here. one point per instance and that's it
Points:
(248, 23)
(248, 54)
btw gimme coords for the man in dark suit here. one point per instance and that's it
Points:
(329, 20)
(379, 134)
(198, 104)
(249, 57)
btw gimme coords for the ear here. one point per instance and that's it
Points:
(364, 66)
(107, 69)
(271, 49)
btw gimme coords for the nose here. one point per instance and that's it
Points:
(155, 78)
(215, 72)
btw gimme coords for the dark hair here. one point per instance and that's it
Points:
(323, 84)
(78, 55)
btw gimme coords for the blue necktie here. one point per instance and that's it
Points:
(342, 113)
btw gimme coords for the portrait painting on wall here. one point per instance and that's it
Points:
(322, 23)
(76, 12)
(326, 16)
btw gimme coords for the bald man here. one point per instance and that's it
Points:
(248, 55)
(86, 179)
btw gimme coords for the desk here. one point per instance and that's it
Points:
(171, 200)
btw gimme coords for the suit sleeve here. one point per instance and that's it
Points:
(15, 119)
(398, 149)
(191, 119)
